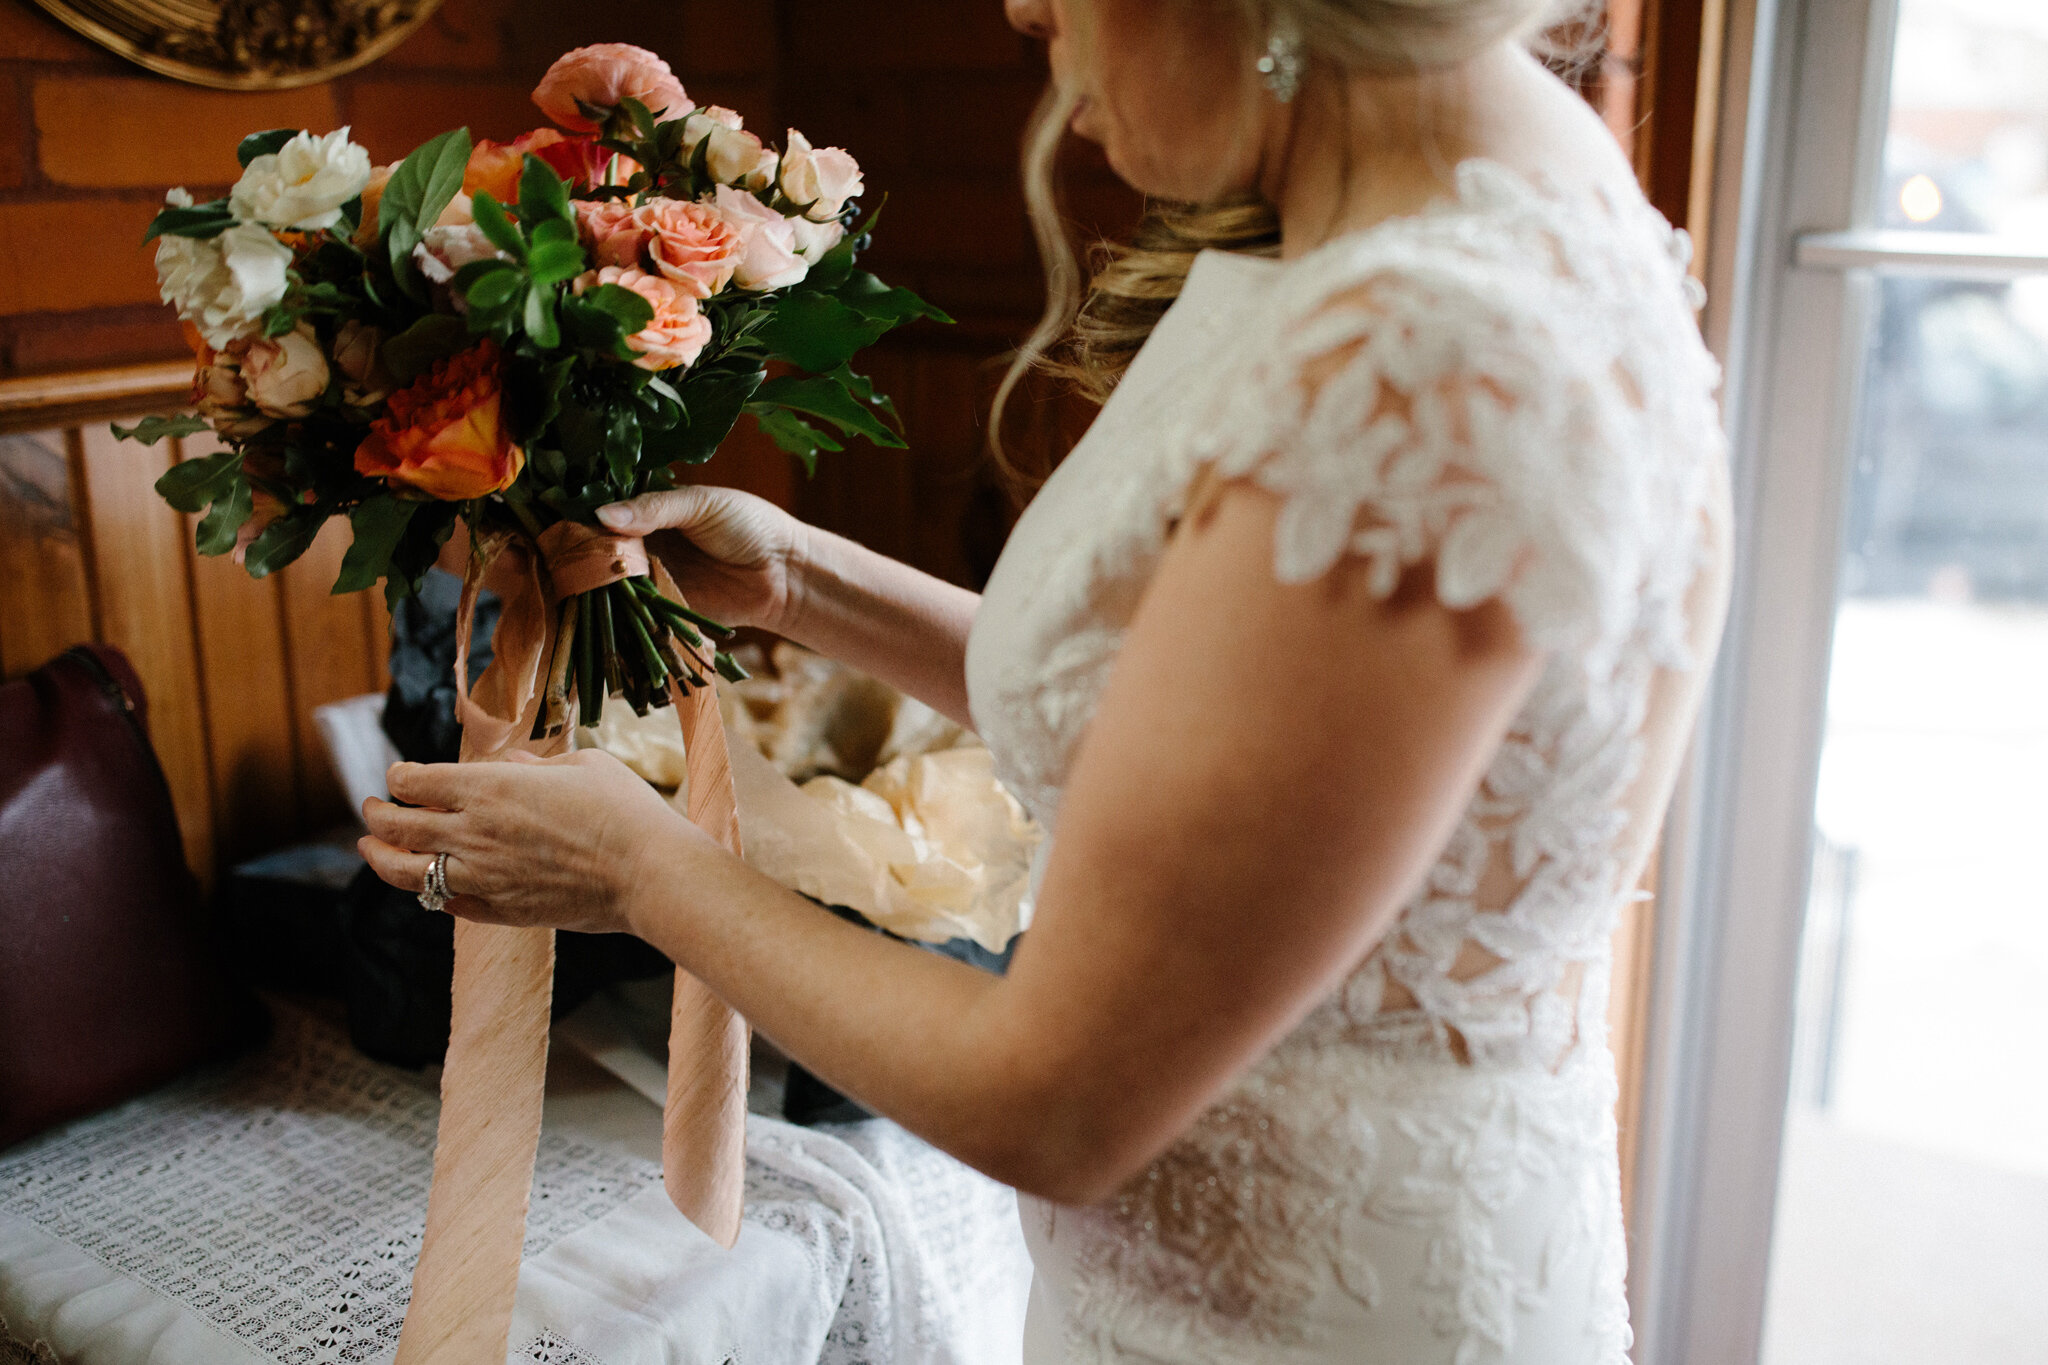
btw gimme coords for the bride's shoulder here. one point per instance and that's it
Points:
(1511, 384)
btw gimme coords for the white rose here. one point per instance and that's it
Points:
(444, 250)
(286, 375)
(700, 124)
(819, 180)
(222, 285)
(733, 155)
(303, 184)
(813, 240)
(770, 259)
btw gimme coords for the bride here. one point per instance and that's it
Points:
(1350, 657)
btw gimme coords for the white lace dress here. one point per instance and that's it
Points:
(1513, 387)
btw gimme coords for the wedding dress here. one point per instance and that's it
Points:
(1511, 386)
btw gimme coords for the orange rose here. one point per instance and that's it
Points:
(495, 167)
(679, 332)
(443, 434)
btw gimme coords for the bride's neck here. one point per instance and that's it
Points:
(1368, 148)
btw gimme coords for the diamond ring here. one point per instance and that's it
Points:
(434, 895)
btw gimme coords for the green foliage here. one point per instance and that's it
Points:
(152, 429)
(380, 524)
(224, 521)
(263, 144)
(424, 184)
(829, 397)
(210, 219)
(284, 540)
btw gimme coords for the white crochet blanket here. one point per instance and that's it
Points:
(271, 1211)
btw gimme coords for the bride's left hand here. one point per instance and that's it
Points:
(558, 843)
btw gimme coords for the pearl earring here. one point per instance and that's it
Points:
(1283, 63)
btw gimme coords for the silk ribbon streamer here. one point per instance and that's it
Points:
(492, 1083)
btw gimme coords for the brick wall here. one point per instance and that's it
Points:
(931, 93)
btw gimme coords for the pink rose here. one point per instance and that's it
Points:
(612, 232)
(286, 375)
(603, 75)
(692, 244)
(819, 180)
(770, 259)
(444, 250)
(679, 332)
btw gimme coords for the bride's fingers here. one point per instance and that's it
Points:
(675, 508)
(408, 826)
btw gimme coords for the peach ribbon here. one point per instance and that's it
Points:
(491, 1085)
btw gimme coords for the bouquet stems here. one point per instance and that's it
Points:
(628, 639)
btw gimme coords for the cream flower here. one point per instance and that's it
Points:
(303, 184)
(222, 285)
(769, 259)
(285, 376)
(444, 250)
(813, 240)
(819, 180)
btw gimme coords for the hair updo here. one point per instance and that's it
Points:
(1087, 338)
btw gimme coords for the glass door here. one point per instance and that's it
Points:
(1846, 1153)
(1912, 1212)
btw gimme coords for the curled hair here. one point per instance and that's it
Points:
(1087, 337)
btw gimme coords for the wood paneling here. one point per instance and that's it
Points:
(45, 595)
(143, 584)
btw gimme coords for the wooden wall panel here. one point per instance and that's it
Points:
(251, 746)
(45, 590)
(327, 642)
(144, 589)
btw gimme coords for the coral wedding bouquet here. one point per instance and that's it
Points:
(517, 334)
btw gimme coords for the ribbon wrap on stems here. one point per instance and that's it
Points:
(491, 1084)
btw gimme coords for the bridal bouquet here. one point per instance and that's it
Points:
(516, 334)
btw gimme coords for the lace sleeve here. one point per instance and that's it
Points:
(1417, 415)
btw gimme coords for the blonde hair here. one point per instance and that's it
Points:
(1087, 337)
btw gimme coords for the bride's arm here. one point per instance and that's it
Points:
(1270, 772)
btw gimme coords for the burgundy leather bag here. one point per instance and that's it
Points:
(108, 986)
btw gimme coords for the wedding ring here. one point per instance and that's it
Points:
(434, 895)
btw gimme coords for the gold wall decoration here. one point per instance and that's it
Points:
(246, 44)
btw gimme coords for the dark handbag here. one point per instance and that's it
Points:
(108, 984)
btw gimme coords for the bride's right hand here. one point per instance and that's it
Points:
(733, 555)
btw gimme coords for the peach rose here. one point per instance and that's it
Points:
(358, 354)
(222, 396)
(679, 332)
(285, 376)
(600, 77)
(692, 244)
(443, 434)
(612, 233)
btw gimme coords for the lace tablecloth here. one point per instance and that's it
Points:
(271, 1212)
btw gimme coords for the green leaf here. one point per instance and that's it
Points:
(796, 436)
(622, 445)
(826, 396)
(190, 485)
(540, 318)
(467, 276)
(379, 525)
(712, 402)
(554, 262)
(632, 311)
(589, 327)
(150, 430)
(223, 523)
(421, 187)
(817, 332)
(419, 347)
(280, 320)
(871, 298)
(494, 289)
(555, 230)
(200, 220)
(491, 220)
(284, 540)
(542, 195)
(643, 120)
(263, 144)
